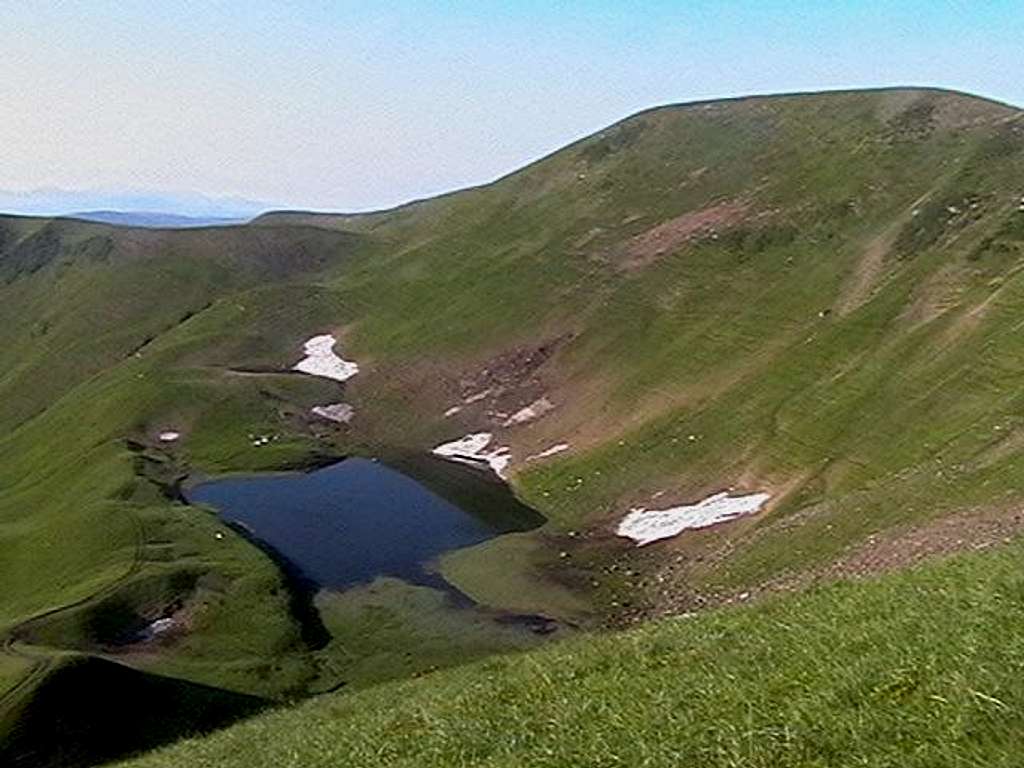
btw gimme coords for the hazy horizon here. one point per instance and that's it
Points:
(331, 106)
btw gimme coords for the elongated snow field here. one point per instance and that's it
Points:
(646, 526)
(554, 450)
(472, 450)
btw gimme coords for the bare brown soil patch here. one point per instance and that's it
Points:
(670, 593)
(666, 237)
(506, 383)
(511, 368)
(907, 546)
(868, 275)
(971, 319)
(869, 270)
(940, 293)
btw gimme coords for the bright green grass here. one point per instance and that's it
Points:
(508, 573)
(919, 669)
(390, 629)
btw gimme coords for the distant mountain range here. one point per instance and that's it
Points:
(155, 220)
(133, 207)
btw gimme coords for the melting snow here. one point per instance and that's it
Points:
(452, 411)
(341, 413)
(169, 437)
(533, 411)
(160, 626)
(477, 397)
(156, 628)
(645, 526)
(552, 451)
(320, 360)
(472, 450)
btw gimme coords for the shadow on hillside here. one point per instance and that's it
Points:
(91, 711)
(474, 489)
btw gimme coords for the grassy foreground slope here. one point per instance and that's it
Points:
(917, 669)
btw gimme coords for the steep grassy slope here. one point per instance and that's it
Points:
(813, 295)
(83, 519)
(816, 296)
(913, 670)
(80, 297)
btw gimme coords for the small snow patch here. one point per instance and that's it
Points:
(452, 411)
(320, 360)
(477, 397)
(156, 629)
(169, 436)
(160, 626)
(472, 450)
(645, 526)
(552, 451)
(341, 413)
(533, 411)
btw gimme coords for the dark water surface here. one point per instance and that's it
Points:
(356, 520)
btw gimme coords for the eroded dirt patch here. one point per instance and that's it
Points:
(509, 389)
(644, 248)
(670, 591)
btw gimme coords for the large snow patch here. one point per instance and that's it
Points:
(645, 526)
(320, 360)
(472, 450)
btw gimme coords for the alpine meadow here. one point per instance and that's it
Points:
(747, 374)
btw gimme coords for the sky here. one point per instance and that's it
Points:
(360, 105)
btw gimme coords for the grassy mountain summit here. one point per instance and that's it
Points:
(814, 296)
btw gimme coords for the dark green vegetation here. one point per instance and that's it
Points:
(817, 296)
(75, 716)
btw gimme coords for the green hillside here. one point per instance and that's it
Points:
(911, 671)
(812, 296)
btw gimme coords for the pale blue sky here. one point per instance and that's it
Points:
(345, 105)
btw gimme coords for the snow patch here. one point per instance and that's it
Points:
(156, 629)
(160, 626)
(169, 436)
(645, 526)
(341, 413)
(552, 451)
(534, 410)
(452, 411)
(320, 360)
(472, 450)
(477, 397)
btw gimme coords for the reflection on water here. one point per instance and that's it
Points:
(356, 520)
